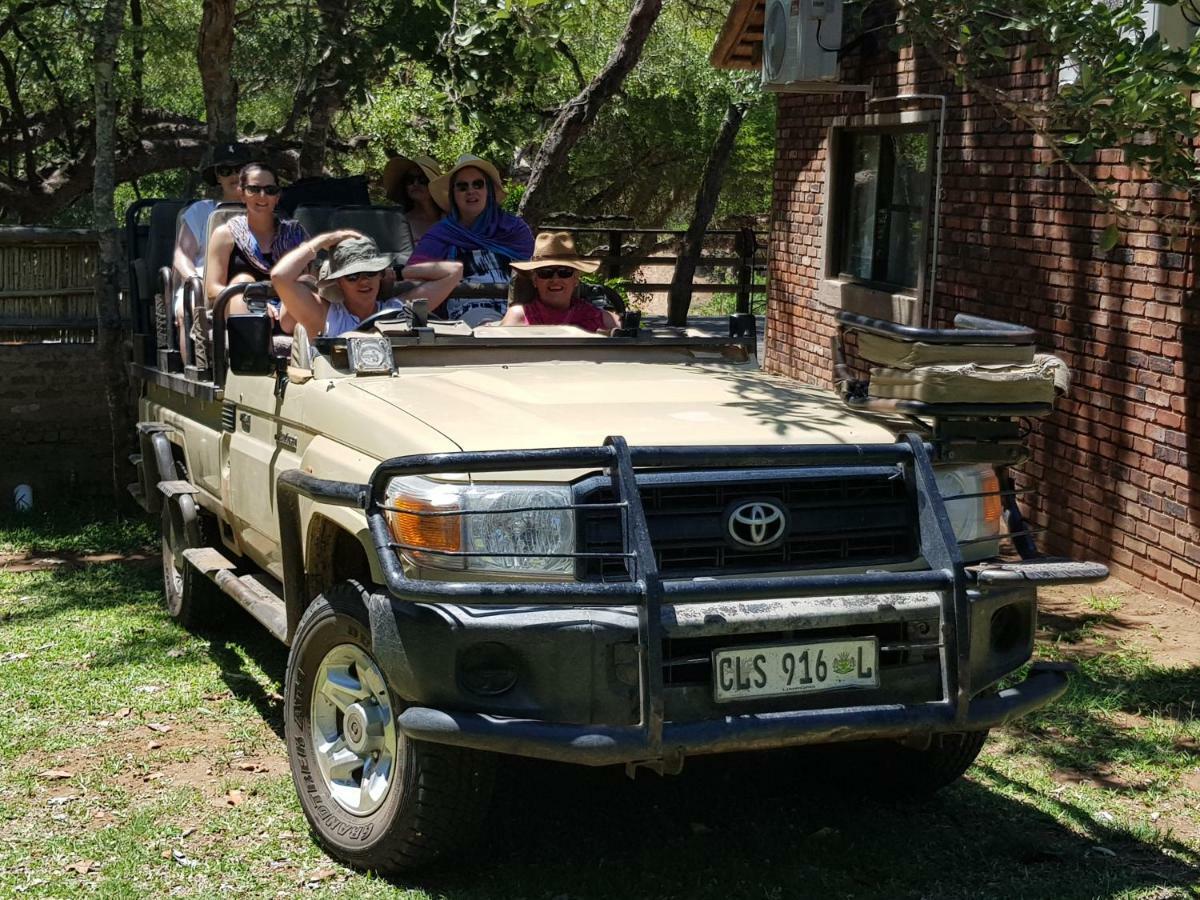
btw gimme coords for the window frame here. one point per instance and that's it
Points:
(839, 172)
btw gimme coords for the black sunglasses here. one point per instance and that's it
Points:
(463, 186)
(224, 171)
(415, 178)
(554, 272)
(354, 276)
(271, 190)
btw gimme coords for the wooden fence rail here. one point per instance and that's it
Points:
(742, 250)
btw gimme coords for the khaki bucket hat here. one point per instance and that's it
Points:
(439, 189)
(556, 248)
(352, 256)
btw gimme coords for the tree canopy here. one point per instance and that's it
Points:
(339, 85)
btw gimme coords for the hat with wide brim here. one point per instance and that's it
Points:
(352, 256)
(439, 188)
(556, 248)
(231, 154)
(398, 166)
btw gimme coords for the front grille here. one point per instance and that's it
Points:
(835, 521)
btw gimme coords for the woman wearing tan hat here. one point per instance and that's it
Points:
(554, 299)
(476, 233)
(406, 183)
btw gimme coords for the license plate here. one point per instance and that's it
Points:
(781, 669)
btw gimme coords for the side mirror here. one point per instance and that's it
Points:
(250, 344)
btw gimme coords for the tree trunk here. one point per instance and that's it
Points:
(214, 54)
(110, 343)
(679, 298)
(313, 142)
(325, 97)
(137, 64)
(577, 115)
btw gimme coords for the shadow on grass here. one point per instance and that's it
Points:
(113, 586)
(1118, 712)
(789, 824)
(239, 630)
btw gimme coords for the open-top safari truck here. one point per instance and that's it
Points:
(605, 550)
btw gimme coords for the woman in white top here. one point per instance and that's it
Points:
(347, 290)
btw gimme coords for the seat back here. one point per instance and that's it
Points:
(159, 249)
(335, 191)
(314, 217)
(386, 225)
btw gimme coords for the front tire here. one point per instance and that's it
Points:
(375, 798)
(921, 773)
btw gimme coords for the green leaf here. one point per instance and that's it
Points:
(1109, 237)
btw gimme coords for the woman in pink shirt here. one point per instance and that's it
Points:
(547, 288)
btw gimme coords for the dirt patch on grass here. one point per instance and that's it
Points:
(148, 759)
(1094, 618)
(36, 561)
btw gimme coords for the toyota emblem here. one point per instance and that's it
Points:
(756, 524)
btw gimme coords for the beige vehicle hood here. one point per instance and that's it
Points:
(571, 404)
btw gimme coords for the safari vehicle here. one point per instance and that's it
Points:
(603, 550)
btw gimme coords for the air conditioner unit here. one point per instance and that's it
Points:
(801, 39)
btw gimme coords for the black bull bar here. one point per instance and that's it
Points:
(653, 738)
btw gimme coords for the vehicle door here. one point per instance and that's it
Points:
(267, 439)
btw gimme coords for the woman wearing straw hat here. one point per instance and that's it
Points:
(348, 288)
(406, 183)
(476, 233)
(554, 299)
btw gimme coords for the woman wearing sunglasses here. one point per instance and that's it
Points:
(476, 234)
(351, 282)
(246, 247)
(546, 289)
(406, 183)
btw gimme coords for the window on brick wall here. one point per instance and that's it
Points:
(881, 205)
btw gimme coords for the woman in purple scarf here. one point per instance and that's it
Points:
(474, 244)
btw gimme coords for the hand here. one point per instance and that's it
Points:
(333, 238)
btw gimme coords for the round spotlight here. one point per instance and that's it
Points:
(487, 669)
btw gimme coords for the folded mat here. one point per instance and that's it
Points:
(969, 383)
(898, 354)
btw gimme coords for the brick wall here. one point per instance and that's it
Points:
(54, 431)
(1116, 465)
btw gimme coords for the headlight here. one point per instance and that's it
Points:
(973, 517)
(511, 525)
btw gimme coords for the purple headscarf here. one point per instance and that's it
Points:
(501, 233)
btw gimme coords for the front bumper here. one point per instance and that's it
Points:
(599, 745)
(418, 627)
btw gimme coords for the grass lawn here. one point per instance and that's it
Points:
(137, 760)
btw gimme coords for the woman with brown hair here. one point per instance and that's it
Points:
(406, 183)
(246, 247)
(546, 289)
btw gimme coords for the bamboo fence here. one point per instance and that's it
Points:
(48, 285)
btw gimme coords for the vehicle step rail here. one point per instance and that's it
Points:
(257, 594)
(1042, 572)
